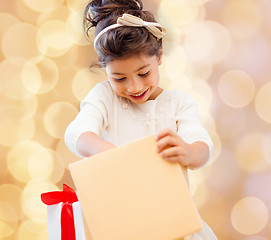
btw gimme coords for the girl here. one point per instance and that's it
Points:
(131, 105)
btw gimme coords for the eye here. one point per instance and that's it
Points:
(144, 74)
(119, 79)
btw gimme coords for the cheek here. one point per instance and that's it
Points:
(154, 79)
(117, 87)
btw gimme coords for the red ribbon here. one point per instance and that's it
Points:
(67, 197)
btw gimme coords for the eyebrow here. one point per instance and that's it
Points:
(118, 73)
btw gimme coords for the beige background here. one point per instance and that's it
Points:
(218, 51)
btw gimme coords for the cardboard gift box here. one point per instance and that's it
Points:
(131, 193)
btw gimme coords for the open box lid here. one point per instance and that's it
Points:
(131, 193)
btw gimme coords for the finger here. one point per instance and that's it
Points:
(172, 151)
(177, 158)
(172, 159)
(175, 154)
(164, 133)
(166, 142)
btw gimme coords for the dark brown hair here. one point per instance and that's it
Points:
(123, 41)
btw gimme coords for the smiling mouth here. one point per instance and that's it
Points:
(139, 96)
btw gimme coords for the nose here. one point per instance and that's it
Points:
(134, 86)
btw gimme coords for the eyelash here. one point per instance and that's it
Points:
(144, 75)
(140, 75)
(119, 79)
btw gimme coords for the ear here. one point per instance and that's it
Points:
(159, 58)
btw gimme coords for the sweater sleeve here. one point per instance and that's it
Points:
(93, 115)
(188, 121)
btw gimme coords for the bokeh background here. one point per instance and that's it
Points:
(218, 51)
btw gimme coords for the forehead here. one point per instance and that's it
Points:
(132, 63)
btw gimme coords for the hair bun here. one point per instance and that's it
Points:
(98, 10)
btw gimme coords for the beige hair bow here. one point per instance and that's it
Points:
(129, 20)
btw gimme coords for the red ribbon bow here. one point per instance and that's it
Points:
(68, 197)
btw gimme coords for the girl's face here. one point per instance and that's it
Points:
(135, 78)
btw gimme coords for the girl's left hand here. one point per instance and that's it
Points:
(172, 148)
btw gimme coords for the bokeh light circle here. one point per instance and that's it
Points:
(183, 83)
(262, 102)
(266, 147)
(255, 237)
(30, 229)
(258, 185)
(198, 70)
(175, 62)
(18, 110)
(59, 167)
(249, 215)
(27, 46)
(67, 156)
(61, 13)
(32, 205)
(76, 6)
(23, 12)
(199, 42)
(75, 29)
(201, 195)
(52, 38)
(57, 118)
(40, 160)
(197, 2)
(204, 90)
(226, 117)
(11, 79)
(31, 77)
(6, 21)
(242, 18)
(6, 230)
(27, 160)
(7, 212)
(207, 42)
(10, 194)
(217, 146)
(236, 88)
(80, 57)
(249, 153)
(43, 6)
(178, 12)
(40, 75)
(197, 179)
(85, 79)
(220, 172)
(10, 209)
(13, 132)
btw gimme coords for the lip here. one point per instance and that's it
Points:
(139, 97)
